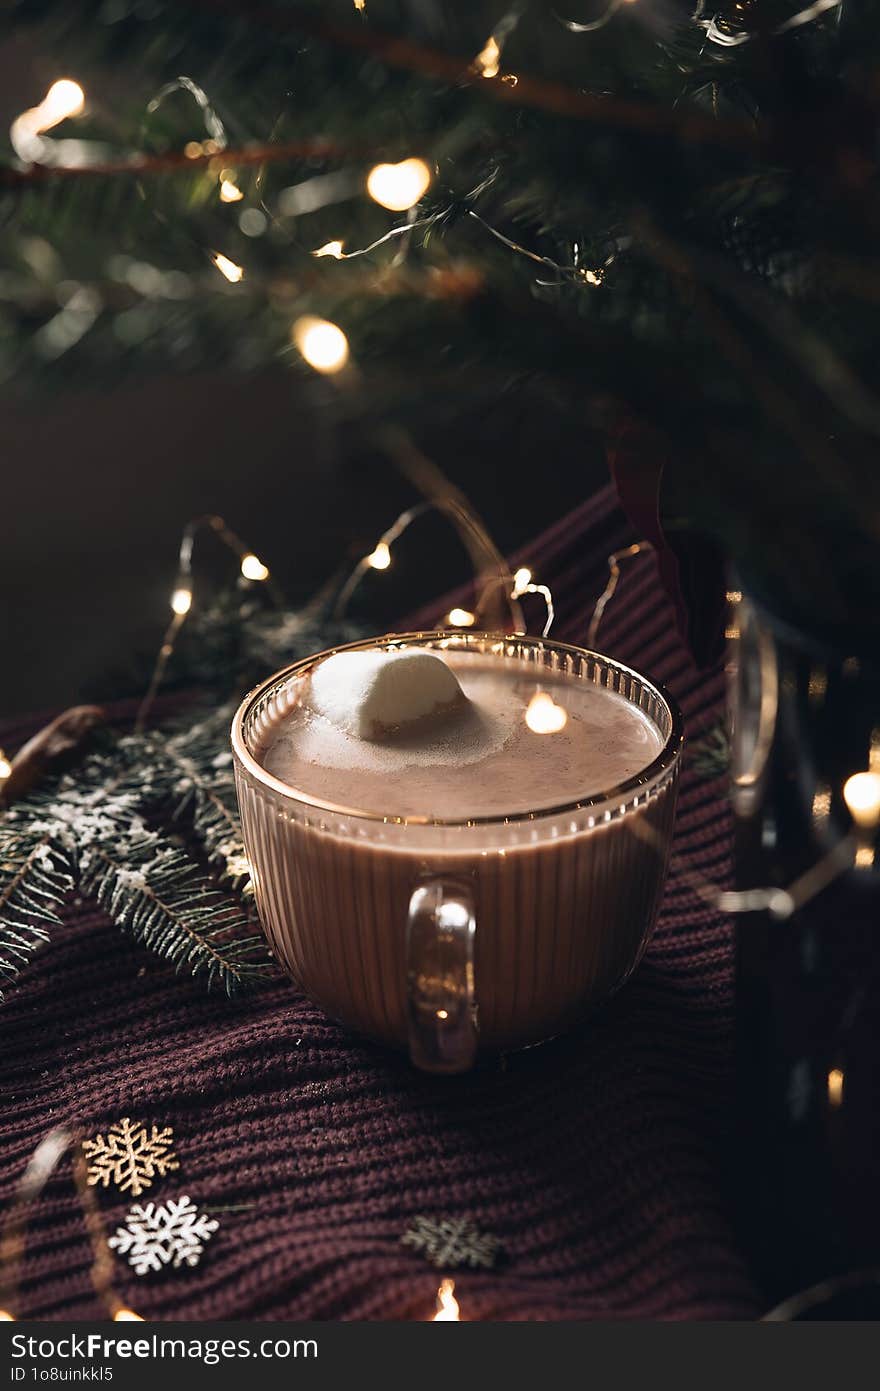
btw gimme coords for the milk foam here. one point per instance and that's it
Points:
(476, 761)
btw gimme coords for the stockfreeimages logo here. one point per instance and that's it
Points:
(96, 1347)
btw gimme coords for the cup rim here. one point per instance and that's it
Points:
(651, 774)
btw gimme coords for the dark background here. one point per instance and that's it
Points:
(97, 486)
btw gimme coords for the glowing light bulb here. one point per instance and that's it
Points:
(253, 568)
(230, 191)
(461, 618)
(323, 345)
(544, 716)
(380, 558)
(65, 98)
(488, 61)
(861, 793)
(228, 268)
(398, 187)
(330, 248)
(447, 1304)
(181, 601)
(521, 581)
(127, 1316)
(5, 767)
(835, 1087)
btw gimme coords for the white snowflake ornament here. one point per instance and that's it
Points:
(159, 1234)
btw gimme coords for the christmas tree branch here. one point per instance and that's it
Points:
(171, 161)
(31, 897)
(541, 94)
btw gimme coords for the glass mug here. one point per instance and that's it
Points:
(445, 936)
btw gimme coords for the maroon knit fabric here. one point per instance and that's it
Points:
(594, 1159)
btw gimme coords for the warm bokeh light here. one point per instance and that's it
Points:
(330, 248)
(127, 1316)
(398, 187)
(488, 61)
(447, 1304)
(544, 716)
(461, 618)
(521, 581)
(5, 767)
(181, 601)
(228, 268)
(323, 345)
(65, 98)
(861, 793)
(6, 1317)
(253, 568)
(835, 1087)
(380, 558)
(230, 191)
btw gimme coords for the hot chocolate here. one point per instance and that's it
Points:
(498, 753)
(367, 805)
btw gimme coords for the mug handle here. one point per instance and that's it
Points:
(441, 1006)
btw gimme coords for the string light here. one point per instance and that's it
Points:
(575, 26)
(64, 99)
(628, 552)
(323, 345)
(544, 716)
(380, 558)
(181, 602)
(39, 1169)
(461, 618)
(228, 268)
(331, 248)
(724, 38)
(488, 60)
(229, 190)
(522, 584)
(253, 568)
(399, 187)
(447, 1305)
(861, 793)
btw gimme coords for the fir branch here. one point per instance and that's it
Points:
(162, 897)
(171, 161)
(205, 787)
(540, 94)
(710, 757)
(34, 878)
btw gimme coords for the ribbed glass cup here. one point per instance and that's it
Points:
(564, 898)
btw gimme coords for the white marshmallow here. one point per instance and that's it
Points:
(372, 694)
